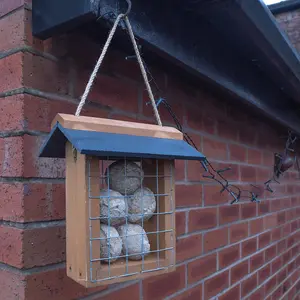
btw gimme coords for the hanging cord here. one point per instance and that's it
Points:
(143, 70)
(100, 60)
(97, 66)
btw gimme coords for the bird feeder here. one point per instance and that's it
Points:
(120, 196)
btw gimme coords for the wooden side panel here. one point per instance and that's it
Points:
(115, 126)
(76, 216)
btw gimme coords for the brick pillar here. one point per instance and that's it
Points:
(246, 250)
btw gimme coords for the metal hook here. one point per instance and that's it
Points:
(128, 9)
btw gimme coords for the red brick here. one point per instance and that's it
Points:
(24, 111)
(46, 75)
(11, 72)
(263, 174)
(43, 246)
(276, 205)
(278, 293)
(239, 271)
(215, 239)
(248, 135)
(233, 174)
(294, 226)
(188, 247)
(180, 169)
(21, 159)
(32, 247)
(194, 171)
(264, 273)
(188, 195)
(249, 285)
(276, 265)
(159, 287)
(229, 255)
(271, 284)
(11, 109)
(237, 153)
(270, 221)
(248, 210)
(165, 116)
(129, 292)
(258, 295)
(191, 294)
(276, 234)
(248, 174)
(281, 218)
(111, 91)
(256, 226)
(202, 219)
(264, 239)
(216, 284)
(281, 246)
(286, 257)
(228, 214)
(249, 247)
(39, 113)
(180, 222)
(25, 202)
(11, 202)
(35, 166)
(209, 124)
(54, 284)
(282, 275)
(291, 241)
(232, 294)
(12, 285)
(194, 117)
(212, 195)
(256, 261)
(238, 232)
(227, 130)
(254, 157)
(11, 156)
(264, 207)
(12, 30)
(268, 158)
(11, 244)
(10, 5)
(271, 252)
(216, 149)
(201, 268)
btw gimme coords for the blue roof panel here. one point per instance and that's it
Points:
(116, 145)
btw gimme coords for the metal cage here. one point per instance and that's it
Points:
(156, 226)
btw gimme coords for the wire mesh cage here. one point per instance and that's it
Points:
(120, 196)
(131, 217)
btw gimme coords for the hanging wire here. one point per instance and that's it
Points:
(284, 161)
(211, 173)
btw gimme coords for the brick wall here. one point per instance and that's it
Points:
(290, 23)
(244, 251)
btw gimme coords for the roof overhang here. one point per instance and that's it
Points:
(235, 46)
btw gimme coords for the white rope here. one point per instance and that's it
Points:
(143, 70)
(99, 62)
(97, 66)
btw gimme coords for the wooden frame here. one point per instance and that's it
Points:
(79, 253)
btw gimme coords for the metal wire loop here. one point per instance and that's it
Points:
(128, 8)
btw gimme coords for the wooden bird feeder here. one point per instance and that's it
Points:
(98, 252)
